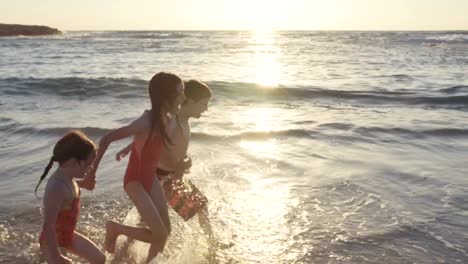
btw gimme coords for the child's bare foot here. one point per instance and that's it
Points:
(111, 236)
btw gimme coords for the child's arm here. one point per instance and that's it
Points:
(124, 152)
(136, 127)
(52, 204)
(114, 135)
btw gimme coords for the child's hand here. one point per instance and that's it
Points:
(89, 183)
(121, 154)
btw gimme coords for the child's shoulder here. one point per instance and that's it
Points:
(56, 187)
(143, 122)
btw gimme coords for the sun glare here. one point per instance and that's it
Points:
(258, 120)
(259, 147)
(267, 59)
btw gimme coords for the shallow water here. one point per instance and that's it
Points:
(318, 147)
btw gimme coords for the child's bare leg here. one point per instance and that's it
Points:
(159, 199)
(151, 216)
(113, 230)
(45, 253)
(85, 248)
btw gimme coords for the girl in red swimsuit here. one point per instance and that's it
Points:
(150, 133)
(74, 153)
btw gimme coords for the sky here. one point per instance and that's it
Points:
(238, 14)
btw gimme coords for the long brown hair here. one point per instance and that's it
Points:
(75, 144)
(162, 91)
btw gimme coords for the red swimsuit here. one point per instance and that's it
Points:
(66, 224)
(141, 169)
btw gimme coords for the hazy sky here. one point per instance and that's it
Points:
(238, 14)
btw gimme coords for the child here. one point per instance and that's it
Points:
(149, 131)
(173, 162)
(74, 153)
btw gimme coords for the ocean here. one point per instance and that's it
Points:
(318, 146)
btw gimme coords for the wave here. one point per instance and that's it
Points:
(416, 133)
(74, 87)
(452, 37)
(155, 35)
(84, 88)
(455, 89)
(9, 125)
(398, 77)
(356, 96)
(256, 135)
(435, 38)
(151, 35)
(326, 130)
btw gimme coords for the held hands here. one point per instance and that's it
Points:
(89, 180)
(89, 183)
(121, 154)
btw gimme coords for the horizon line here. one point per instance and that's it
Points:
(277, 30)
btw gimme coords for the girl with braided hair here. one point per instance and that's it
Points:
(74, 153)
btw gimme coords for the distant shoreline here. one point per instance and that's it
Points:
(11, 30)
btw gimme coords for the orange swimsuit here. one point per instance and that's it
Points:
(66, 224)
(141, 169)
